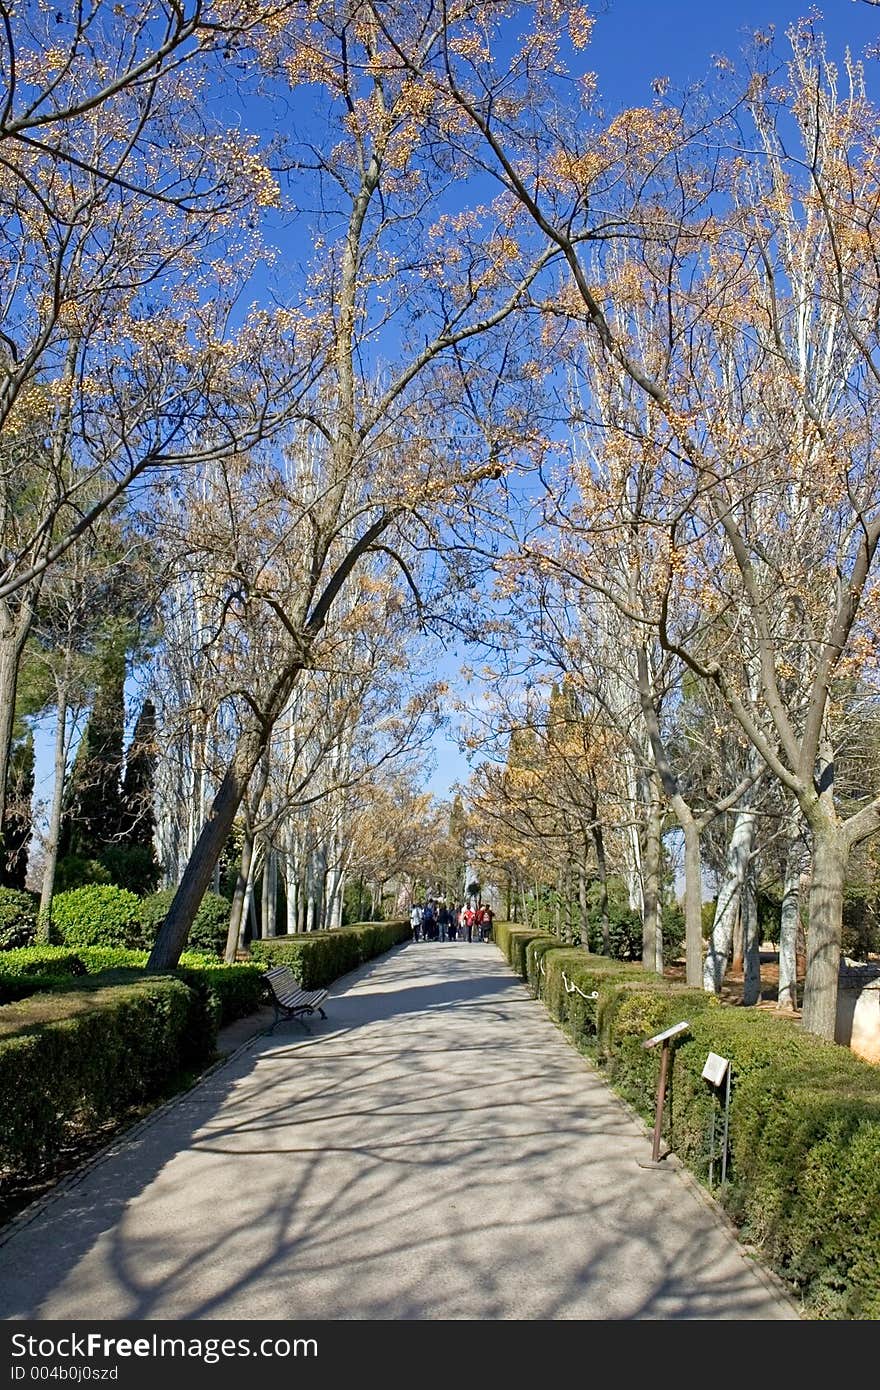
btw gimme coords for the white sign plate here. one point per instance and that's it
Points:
(715, 1069)
(669, 1033)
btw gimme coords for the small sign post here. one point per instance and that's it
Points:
(663, 1039)
(717, 1071)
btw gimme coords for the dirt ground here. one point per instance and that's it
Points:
(732, 988)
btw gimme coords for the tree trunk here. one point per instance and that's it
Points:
(270, 892)
(825, 928)
(693, 894)
(720, 942)
(790, 921)
(208, 848)
(335, 899)
(602, 872)
(47, 891)
(652, 935)
(250, 905)
(751, 941)
(238, 909)
(250, 748)
(582, 902)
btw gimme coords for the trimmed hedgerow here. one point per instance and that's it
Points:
(27, 969)
(236, 989)
(98, 914)
(232, 991)
(70, 1061)
(804, 1157)
(514, 941)
(319, 958)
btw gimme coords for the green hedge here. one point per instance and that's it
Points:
(73, 1060)
(804, 1161)
(99, 914)
(35, 969)
(319, 958)
(234, 991)
(28, 969)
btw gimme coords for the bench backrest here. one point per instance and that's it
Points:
(281, 975)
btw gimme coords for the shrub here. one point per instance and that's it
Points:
(673, 926)
(624, 932)
(804, 1157)
(73, 1060)
(208, 931)
(25, 961)
(319, 958)
(29, 969)
(18, 918)
(96, 915)
(131, 866)
(73, 871)
(230, 991)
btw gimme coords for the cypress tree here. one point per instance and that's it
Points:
(17, 821)
(94, 815)
(137, 785)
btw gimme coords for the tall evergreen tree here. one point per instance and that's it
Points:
(138, 784)
(94, 813)
(17, 819)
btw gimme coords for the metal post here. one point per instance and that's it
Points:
(661, 1096)
(712, 1142)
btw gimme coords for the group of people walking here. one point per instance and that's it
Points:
(441, 921)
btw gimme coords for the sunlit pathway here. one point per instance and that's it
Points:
(436, 1149)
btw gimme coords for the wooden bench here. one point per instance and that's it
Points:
(289, 997)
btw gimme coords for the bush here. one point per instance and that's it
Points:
(73, 871)
(230, 991)
(208, 932)
(319, 958)
(18, 918)
(131, 866)
(624, 923)
(673, 927)
(624, 932)
(97, 915)
(29, 969)
(74, 1060)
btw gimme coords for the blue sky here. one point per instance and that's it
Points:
(636, 41)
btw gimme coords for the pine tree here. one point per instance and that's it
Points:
(137, 785)
(94, 814)
(17, 821)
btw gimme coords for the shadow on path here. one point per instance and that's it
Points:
(434, 1150)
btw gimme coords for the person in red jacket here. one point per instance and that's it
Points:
(467, 921)
(485, 917)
